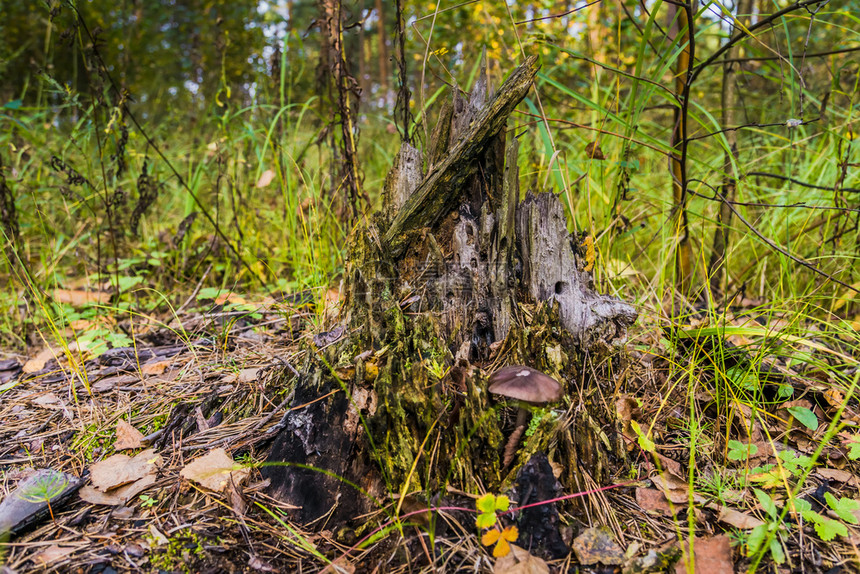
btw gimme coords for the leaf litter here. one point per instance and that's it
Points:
(204, 413)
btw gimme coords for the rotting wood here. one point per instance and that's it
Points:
(454, 273)
(438, 193)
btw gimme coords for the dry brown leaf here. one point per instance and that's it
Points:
(737, 519)
(214, 471)
(38, 362)
(712, 555)
(122, 469)
(159, 538)
(265, 178)
(243, 376)
(127, 437)
(675, 490)
(130, 491)
(519, 561)
(48, 401)
(837, 475)
(671, 466)
(53, 553)
(652, 500)
(109, 383)
(237, 501)
(79, 298)
(95, 496)
(154, 367)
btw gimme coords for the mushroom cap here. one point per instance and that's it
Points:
(525, 384)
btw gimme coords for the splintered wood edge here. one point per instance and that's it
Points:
(438, 192)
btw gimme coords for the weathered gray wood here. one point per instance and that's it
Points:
(551, 271)
(403, 178)
(441, 136)
(438, 193)
(501, 256)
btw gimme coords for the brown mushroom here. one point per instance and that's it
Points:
(527, 386)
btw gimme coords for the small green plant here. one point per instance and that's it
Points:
(772, 475)
(644, 440)
(147, 501)
(741, 451)
(828, 528)
(489, 506)
(437, 369)
(45, 488)
(773, 524)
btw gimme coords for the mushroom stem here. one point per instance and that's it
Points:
(516, 435)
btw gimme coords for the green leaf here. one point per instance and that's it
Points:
(486, 503)
(766, 502)
(853, 445)
(125, 283)
(645, 443)
(827, 529)
(805, 417)
(844, 507)
(486, 520)
(741, 451)
(776, 551)
(212, 293)
(502, 503)
(755, 539)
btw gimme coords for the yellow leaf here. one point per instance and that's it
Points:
(503, 548)
(510, 533)
(490, 536)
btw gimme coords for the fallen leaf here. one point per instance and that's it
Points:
(79, 298)
(257, 563)
(48, 400)
(597, 545)
(711, 555)
(157, 537)
(837, 475)
(652, 500)
(53, 553)
(130, 491)
(519, 561)
(122, 469)
(127, 437)
(265, 178)
(215, 470)
(243, 376)
(593, 151)
(154, 367)
(737, 519)
(95, 496)
(109, 383)
(38, 362)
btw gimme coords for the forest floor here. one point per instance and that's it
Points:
(158, 451)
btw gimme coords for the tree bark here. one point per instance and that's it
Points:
(455, 273)
(728, 112)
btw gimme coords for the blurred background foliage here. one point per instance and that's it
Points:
(148, 147)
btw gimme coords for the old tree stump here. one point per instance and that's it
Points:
(455, 277)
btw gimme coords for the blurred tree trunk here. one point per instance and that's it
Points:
(341, 89)
(682, 32)
(362, 51)
(729, 120)
(384, 69)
